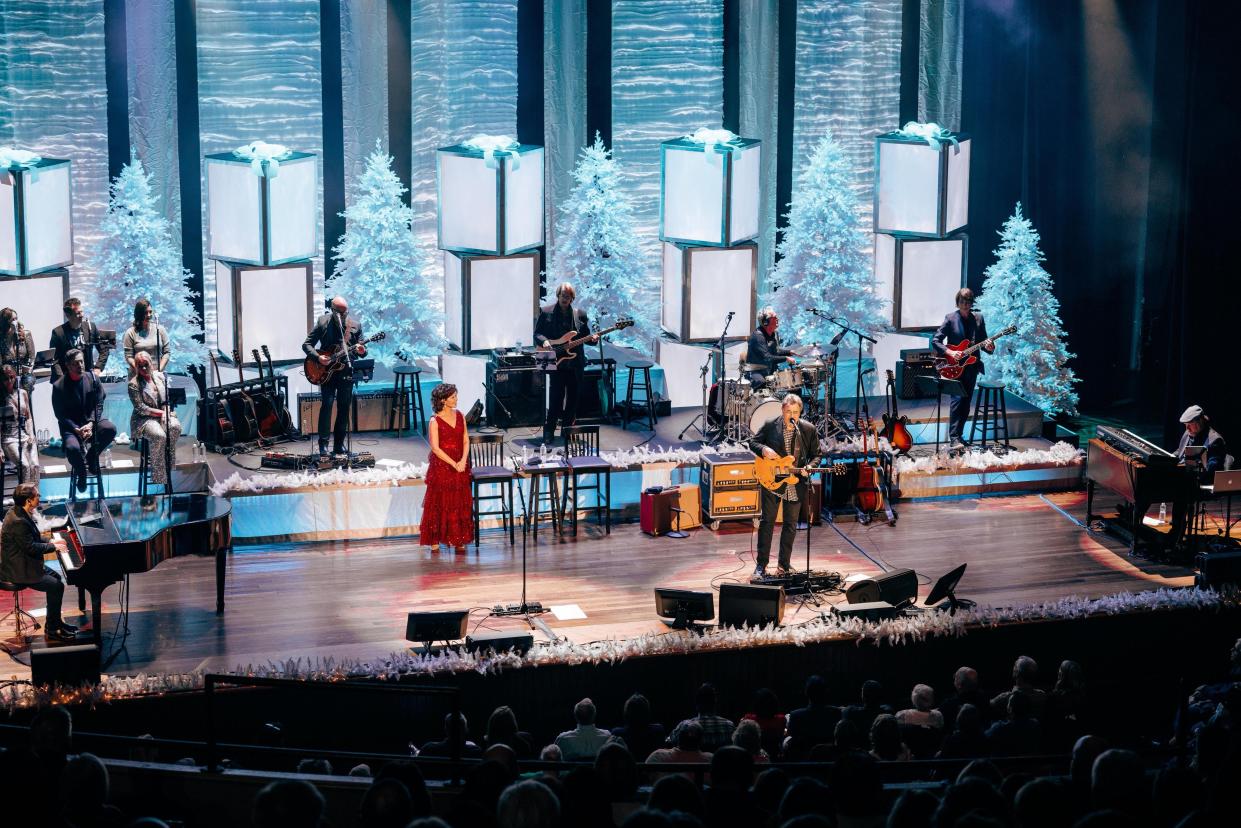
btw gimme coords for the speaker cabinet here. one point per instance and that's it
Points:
(898, 588)
(67, 666)
(372, 411)
(425, 627)
(755, 605)
(501, 641)
(518, 395)
(868, 611)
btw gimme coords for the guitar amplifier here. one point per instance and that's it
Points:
(734, 470)
(914, 363)
(372, 411)
(655, 515)
(521, 389)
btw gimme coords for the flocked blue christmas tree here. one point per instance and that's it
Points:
(1033, 363)
(380, 268)
(137, 257)
(597, 251)
(824, 261)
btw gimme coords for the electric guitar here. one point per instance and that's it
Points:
(557, 351)
(245, 418)
(265, 408)
(896, 427)
(282, 405)
(950, 368)
(775, 472)
(318, 373)
(226, 435)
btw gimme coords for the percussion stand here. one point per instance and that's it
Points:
(701, 421)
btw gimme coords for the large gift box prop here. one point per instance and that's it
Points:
(262, 203)
(490, 196)
(36, 222)
(702, 285)
(920, 276)
(260, 305)
(682, 367)
(709, 189)
(38, 301)
(922, 181)
(490, 301)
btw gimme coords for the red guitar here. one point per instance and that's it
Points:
(952, 368)
(896, 426)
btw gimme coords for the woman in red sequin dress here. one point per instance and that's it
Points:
(447, 507)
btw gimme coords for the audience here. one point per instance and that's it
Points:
(716, 730)
(863, 715)
(639, 733)
(922, 726)
(1025, 674)
(885, 740)
(528, 804)
(813, 724)
(968, 737)
(1018, 734)
(965, 691)
(771, 722)
(749, 738)
(584, 741)
(688, 747)
(502, 730)
(461, 738)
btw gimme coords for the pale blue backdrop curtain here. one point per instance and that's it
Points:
(364, 83)
(759, 29)
(464, 67)
(564, 107)
(152, 79)
(941, 36)
(53, 101)
(667, 81)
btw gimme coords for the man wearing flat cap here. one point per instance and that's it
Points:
(1198, 432)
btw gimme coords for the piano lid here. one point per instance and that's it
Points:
(130, 519)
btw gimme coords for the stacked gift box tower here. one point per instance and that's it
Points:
(921, 211)
(708, 216)
(262, 232)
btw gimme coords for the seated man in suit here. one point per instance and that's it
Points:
(77, 399)
(21, 558)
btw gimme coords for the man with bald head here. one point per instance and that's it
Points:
(335, 331)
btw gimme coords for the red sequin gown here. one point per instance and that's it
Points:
(447, 513)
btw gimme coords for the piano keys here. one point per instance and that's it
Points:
(105, 540)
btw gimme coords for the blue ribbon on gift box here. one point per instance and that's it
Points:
(14, 160)
(495, 147)
(932, 133)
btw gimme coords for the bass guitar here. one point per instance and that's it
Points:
(318, 372)
(775, 472)
(952, 368)
(265, 408)
(557, 351)
(896, 427)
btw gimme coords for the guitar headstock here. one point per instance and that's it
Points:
(266, 353)
(237, 357)
(254, 352)
(379, 337)
(624, 322)
(891, 376)
(1010, 329)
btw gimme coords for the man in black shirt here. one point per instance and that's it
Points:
(80, 333)
(962, 324)
(763, 353)
(77, 400)
(329, 332)
(21, 558)
(784, 436)
(565, 382)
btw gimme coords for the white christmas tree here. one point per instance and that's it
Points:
(824, 262)
(597, 251)
(137, 257)
(380, 268)
(1018, 291)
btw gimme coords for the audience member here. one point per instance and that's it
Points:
(1117, 782)
(315, 767)
(409, 775)
(616, 768)
(769, 788)
(502, 729)
(813, 724)
(1067, 714)
(1081, 763)
(1025, 674)
(885, 740)
(1013, 783)
(429, 822)
(479, 797)
(965, 691)
(36, 769)
(584, 801)
(360, 771)
(676, 793)
(86, 778)
(386, 804)
(922, 726)
(983, 769)
(805, 796)
(688, 747)
(729, 802)
(461, 738)
(528, 804)
(912, 809)
(968, 738)
(749, 738)
(1017, 735)
(716, 730)
(290, 803)
(584, 741)
(1043, 803)
(863, 715)
(858, 791)
(771, 722)
(503, 755)
(971, 795)
(639, 733)
(1176, 792)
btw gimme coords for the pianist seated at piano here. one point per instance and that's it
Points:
(1198, 432)
(22, 548)
(77, 400)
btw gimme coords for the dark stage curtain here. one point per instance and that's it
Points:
(1114, 123)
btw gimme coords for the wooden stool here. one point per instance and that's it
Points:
(991, 413)
(407, 399)
(647, 401)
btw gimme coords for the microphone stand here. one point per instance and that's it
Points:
(487, 427)
(344, 341)
(702, 419)
(167, 400)
(859, 391)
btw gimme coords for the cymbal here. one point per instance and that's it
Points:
(814, 351)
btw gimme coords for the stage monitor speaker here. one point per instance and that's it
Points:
(517, 397)
(868, 611)
(898, 588)
(501, 641)
(1217, 567)
(754, 605)
(67, 666)
(425, 627)
(373, 411)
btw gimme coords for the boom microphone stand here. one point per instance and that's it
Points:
(859, 388)
(344, 342)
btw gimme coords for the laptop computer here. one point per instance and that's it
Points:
(1226, 482)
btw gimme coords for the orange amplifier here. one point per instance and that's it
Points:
(729, 487)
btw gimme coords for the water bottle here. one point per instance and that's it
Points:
(107, 458)
(1163, 513)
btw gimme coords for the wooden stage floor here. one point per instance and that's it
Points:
(349, 599)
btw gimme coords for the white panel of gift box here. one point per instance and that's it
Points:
(260, 305)
(490, 301)
(921, 189)
(264, 219)
(920, 276)
(36, 218)
(709, 193)
(682, 365)
(490, 204)
(702, 285)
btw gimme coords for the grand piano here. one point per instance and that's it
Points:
(106, 540)
(1137, 470)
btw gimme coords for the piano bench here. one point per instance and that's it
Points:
(21, 618)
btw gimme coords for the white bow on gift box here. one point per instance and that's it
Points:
(932, 133)
(495, 145)
(264, 158)
(12, 158)
(713, 140)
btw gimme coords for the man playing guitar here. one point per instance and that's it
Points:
(962, 324)
(554, 322)
(784, 436)
(333, 329)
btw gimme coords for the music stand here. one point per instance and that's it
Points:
(943, 595)
(937, 385)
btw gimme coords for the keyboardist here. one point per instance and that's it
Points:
(22, 548)
(1198, 432)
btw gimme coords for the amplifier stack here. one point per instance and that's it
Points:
(729, 486)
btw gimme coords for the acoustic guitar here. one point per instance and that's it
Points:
(226, 435)
(245, 418)
(950, 368)
(265, 408)
(557, 351)
(869, 495)
(772, 473)
(896, 427)
(318, 373)
(282, 406)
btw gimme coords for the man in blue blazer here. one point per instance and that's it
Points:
(962, 324)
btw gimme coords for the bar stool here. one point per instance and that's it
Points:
(582, 455)
(146, 468)
(647, 401)
(21, 618)
(487, 468)
(407, 399)
(550, 469)
(991, 412)
(94, 485)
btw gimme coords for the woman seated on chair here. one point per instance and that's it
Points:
(17, 427)
(148, 391)
(447, 506)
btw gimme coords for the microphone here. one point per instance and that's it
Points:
(812, 310)
(731, 314)
(836, 339)
(868, 371)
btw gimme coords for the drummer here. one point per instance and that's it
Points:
(763, 353)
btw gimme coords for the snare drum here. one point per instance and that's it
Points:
(761, 410)
(813, 372)
(785, 380)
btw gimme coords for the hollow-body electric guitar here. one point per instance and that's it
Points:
(950, 368)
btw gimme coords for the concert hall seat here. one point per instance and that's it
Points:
(582, 454)
(487, 468)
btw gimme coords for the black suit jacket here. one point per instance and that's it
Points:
(21, 549)
(762, 349)
(805, 445)
(553, 325)
(62, 341)
(954, 329)
(326, 335)
(814, 725)
(77, 404)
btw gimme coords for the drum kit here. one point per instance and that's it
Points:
(738, 408)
